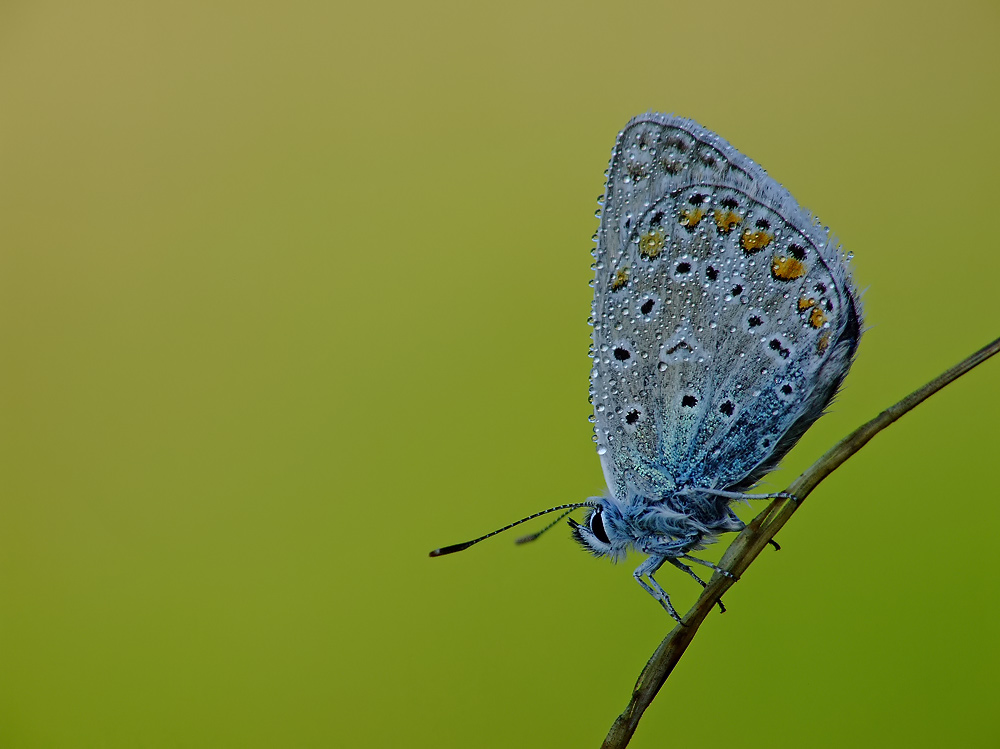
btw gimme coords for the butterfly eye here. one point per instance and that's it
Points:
(597, 527)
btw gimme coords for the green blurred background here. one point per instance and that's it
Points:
(290, 297)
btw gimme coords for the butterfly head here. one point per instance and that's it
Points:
(604, 532)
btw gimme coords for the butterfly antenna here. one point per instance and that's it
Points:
(531, 537)
(462, 547)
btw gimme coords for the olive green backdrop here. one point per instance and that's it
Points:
(290, 297)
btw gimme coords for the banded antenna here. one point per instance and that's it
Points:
(462, 547)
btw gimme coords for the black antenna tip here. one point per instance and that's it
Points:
(450, 549)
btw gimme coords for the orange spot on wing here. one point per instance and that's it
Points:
(787, 268)
(817, 318)
(726, 220)
(822, 343)
(650, 245)
(620, 279)
(754, 241)
(805, 304)
(691, 216)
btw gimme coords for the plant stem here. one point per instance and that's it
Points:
(752, 540)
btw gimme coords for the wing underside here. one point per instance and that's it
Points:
(722, 314)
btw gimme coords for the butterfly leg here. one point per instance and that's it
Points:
(681, 566)
(647, 568)
(744, 495)
(715, 567)
(735, 518)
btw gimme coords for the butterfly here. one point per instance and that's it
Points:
(724, 322)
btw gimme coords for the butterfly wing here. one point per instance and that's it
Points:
(724, 317)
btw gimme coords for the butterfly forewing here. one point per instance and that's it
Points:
(720, 308)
